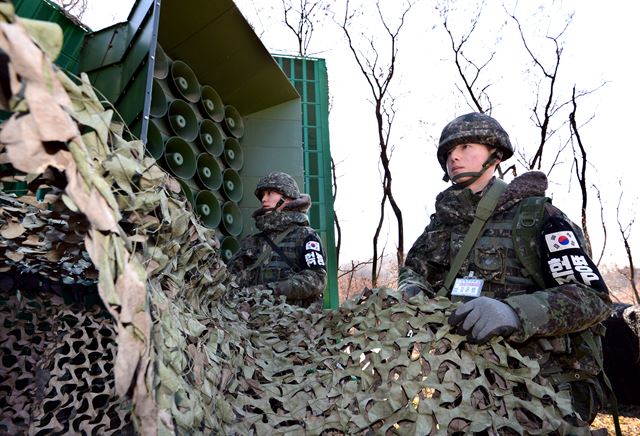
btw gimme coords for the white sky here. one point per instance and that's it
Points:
(600, 45)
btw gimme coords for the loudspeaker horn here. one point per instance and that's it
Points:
(210, 137)
(208, 209)
(233, 123)
(232, 155)
(208, 174)
(158, 100)
(211, 104)
(184, 82)
(183, 120)
(155, 140)
(228, 247)
(231, 185)
(179, 158)
(161, 63)
(189, 191)
(231, 219)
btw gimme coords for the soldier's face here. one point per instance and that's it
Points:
(271, 198)
(468, 158)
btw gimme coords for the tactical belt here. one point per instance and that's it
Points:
(484, 210)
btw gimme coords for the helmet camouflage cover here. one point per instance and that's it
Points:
(477, 128)
(279, 182)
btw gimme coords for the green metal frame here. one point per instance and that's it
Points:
(309, 77)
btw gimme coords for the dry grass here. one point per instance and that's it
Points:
(629, 421)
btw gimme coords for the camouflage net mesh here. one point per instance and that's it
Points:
(193, 353)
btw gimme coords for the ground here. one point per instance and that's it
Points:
(629, 420)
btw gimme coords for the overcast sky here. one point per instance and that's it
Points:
(599, 47)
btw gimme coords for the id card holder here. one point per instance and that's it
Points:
(467, 287)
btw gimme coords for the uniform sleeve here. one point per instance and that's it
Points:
(416, 270)
(309, 281)
(576, 296)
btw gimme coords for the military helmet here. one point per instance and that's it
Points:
(476, 128)
(279, 182)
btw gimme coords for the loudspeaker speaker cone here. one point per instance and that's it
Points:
(183, 120)
(231, 219)
(161, 63)
(208, 209)
(228, 247)
(210, 137)
(210, 104)
(233, 123)
(184, 82)
(180, 158)
(232, 155)
(231, 185)
(208, 175)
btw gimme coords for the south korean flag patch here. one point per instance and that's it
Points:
(313, 257)
(558, 241)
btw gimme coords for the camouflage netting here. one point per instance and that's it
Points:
(193, 353)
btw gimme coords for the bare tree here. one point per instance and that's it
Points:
(335, 215)
(604, 227)
(580, 165)
(625, 232)
(379, 74)
(473, 90)
(300, 17)
(76, 8)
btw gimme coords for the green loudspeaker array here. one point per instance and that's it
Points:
(195, 136)
(229, 246)
(231, 219)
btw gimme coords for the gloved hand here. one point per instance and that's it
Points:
(483, 318)
(412, 290)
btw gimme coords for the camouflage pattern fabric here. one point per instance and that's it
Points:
(476, 128)
(195, 354)
(302, 286)
(551, 318)
(279, 182)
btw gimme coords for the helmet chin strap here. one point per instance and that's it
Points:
(475, 175)
(276, 206)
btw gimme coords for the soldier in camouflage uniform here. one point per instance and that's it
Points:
(558, 324)
(286, 255)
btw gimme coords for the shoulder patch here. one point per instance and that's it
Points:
(313, 256)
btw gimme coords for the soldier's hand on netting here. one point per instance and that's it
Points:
(412, 290)
(483, 318)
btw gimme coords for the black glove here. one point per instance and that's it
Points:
(484, 318)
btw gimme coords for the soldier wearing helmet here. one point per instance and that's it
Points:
(521, 269)
(286, 254)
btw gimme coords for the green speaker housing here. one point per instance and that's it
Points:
(208, 173)
(184, 81)
(179, 158)
(207, 208)
(229, 246)
(183, 120)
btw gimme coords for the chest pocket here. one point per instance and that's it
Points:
(489, 261)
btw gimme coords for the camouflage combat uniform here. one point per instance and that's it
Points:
(301, 275)
(557, 321)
